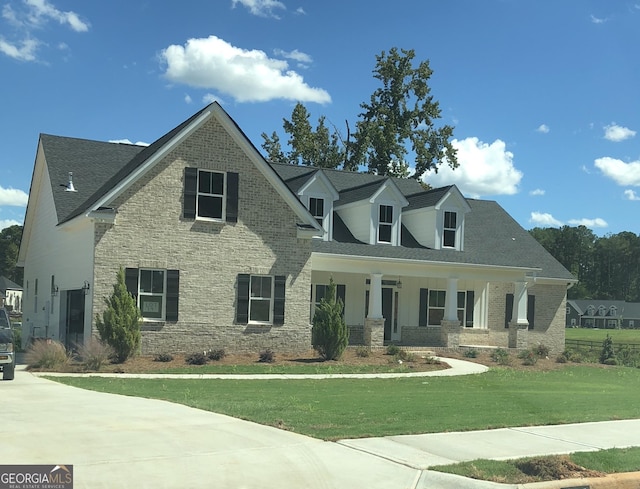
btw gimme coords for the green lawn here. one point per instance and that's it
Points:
(301, 368)
(346, 408)
(618, 335)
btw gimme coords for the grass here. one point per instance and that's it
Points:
(327, 409)
(598, 335)
(302, 368)
(615, 460)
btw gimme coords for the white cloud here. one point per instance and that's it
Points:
(616, 133)
(590, 223)
(209, 98)
(13, 196)
(295, 55)
(544, 219)
(6, 223)
(40, 11)
(246, 75)
(127, 141)
(620, 172)
(300, 11)
(631, 195)
(543, 128)
(536, 192)
(187, 98)
(485, 169)
(261, 8)
(23, 51)
(597, 20)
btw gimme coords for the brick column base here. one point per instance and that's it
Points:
(450, 333)
(518, 336)
(374, 332)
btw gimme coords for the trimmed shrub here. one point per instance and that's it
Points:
(501, 357)
(363, 352)
(163, 357)
(471, 353)
(393, 350)
(94, 354)
(267, 356)
(528, 357)
(119, 326)
(198, 358)
(216, 355)
(330, 335)
(47, 354)
(542, 350)
(607, 351)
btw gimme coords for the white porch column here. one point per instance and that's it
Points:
(451, 300)
(519, 315)
(375, 297)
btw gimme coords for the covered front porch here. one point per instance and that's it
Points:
(427, 304)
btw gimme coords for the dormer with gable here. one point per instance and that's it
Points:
(373, 212)
(436, 218)
(318, 195)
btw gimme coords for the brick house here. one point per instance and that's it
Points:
(602, 314)
(224, 250)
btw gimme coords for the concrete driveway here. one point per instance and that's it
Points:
(127, 442)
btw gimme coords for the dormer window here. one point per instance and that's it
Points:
(601, 311)
(316, 207)
(449, 230)
(385, 224)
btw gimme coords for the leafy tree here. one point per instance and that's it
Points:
(399, 113)
(399, 119)
(119, 326)
(330, 334)
(9, 247)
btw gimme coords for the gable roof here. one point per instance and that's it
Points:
(6, 284)
(627, 310)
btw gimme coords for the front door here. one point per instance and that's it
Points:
(390, 314)
(75, 318)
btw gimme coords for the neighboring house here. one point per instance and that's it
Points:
(10, 295)
(224, 250)
(603, 314)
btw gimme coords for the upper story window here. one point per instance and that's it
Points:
(449, 230)
(316, 207)
(385, 224)
(602, 311)
(613, 311)
(210, 195)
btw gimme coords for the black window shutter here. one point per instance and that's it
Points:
(242, 302)
(341, 293)
(173, 292)
(424, 295)
(232, 197)
(531, 309)
(278, 299)
(190, 192)
(508, 310)
(131, 281)
(469, 306)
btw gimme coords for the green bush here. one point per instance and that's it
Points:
(542, 350)
(217, 354)
(628, 357)
(330, 335)
(163, 357)
(501, 357)
(267, 356)
(198, 358)
(363, 352)
(393, 350)
(470, 353)
(607, 350)
(94, 354)
(528, 357)
(119, 326)
(47, 354)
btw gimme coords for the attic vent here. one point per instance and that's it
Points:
(69, 186)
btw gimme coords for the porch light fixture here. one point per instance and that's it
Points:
(85, 287)
(399, 283)
(54, 290)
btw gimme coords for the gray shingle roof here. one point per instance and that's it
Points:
(5, 284)
(628, 310)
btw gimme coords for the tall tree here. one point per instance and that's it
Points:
(9, 247)
(399, 114)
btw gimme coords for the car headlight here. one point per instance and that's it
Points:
(8, 347)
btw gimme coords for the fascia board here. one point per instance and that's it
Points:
(388, 184)
(322, 179)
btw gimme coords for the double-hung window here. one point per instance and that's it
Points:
(433, 303)
(385, 223)
(210, 195)
(316, 207)
(155, 292)
(260, 299)
(211, 201)
(449, 230)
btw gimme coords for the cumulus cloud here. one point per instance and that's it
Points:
(616, 133)
(536, 192)
(590, 223)
(6, 223)
(485, 169)
(22, 50)
(543, 128)
(631, 195)
(261, 8)
(544, 219)
(245, 75)
(620, 172)
(127, 141)
(299, 56)
(13, 196)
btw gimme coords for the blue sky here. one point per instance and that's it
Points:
(544, 94)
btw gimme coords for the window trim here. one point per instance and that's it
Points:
(222, 196)
(276, 306)
(447, 230)
(171, 292)
(229, 196)
(386, 224)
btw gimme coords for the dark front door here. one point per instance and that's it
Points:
(387, 311)
(75, 318)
